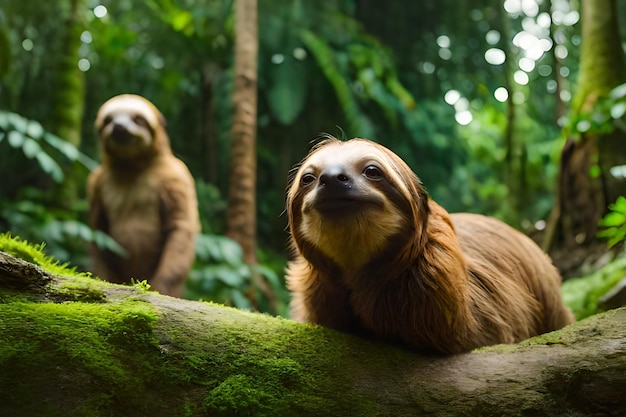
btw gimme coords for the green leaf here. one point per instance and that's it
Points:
(613, 219)
(23, 131)
(619, 205)
(30, 148)
(50, 166)
(400, 92)
(218, 249)
(228, 275)
(104, 241)
(288, 92)
(180, 20)
(62, 146)
(54, 231)
(618, 92)
(269, 274)
(16, 139)
(618, 237)
(240, 301)
(618, 110)
(69, 150)
(231, 252)
(18, 122)
(331, 64)
(34, 129)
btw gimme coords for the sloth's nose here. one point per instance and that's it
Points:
(119, 128)
(120, 133)
(335, 177)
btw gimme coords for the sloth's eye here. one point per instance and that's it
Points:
(373, 172)
(107, 120)
(307, 179)
(139, 120)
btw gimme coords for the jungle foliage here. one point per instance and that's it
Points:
(423, 78)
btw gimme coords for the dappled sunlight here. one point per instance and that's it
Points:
(100, 11)
(501, 94)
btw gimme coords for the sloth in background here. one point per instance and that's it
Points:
(143, 197)
(374, 255)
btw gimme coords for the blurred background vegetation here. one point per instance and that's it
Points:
(474, 95)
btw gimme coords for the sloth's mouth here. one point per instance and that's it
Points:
(121, 135)
(341, 206)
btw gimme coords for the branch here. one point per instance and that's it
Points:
(119, 350)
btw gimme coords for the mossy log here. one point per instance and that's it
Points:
(77, 346)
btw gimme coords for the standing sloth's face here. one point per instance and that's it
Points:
(348, 199)
(127, 125)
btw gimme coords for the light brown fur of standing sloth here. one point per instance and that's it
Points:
(374, 255)
(143, 197)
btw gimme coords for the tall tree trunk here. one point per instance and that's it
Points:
(510, 171)
(77, 346)
(241, 217)
(68, 101)
(585, 186)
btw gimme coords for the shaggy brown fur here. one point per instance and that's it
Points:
(375, 255)
(143, 197)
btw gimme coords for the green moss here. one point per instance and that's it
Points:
(242, 393)
(82, 288)
(70, 285)
(76, 341)
(14, 246)
(91, 348)
(113, 358)
(585, 329)
(253, 364)
(110, 352)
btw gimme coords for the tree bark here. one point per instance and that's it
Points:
(68, 105)
(585, 186)
(241, 220)
(74, 345)
(241, 216)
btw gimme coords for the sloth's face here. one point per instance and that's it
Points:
(341, 181)
(348, 199)
(126, 126)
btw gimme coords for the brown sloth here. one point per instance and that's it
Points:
(143, 197)
(374, 255)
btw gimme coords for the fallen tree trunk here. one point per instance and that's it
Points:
(73, 345)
